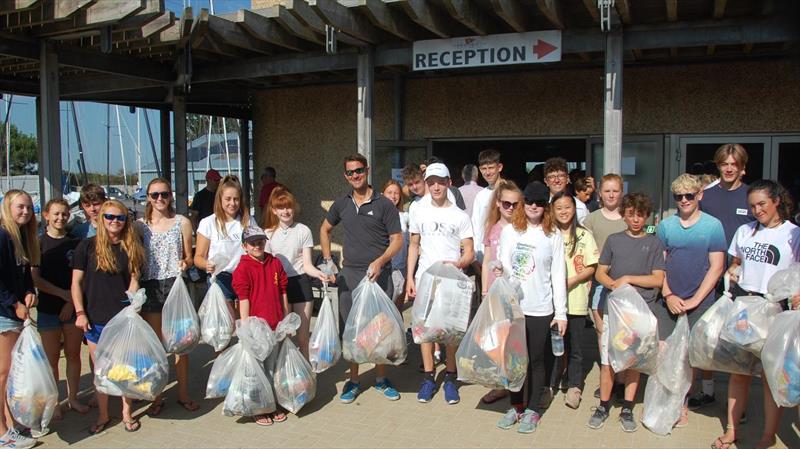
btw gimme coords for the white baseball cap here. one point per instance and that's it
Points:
(437, 169)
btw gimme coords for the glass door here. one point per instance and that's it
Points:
(391, 157)
(696, 155)
(785, 159)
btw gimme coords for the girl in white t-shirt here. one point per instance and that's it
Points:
(291, 243)
(532, 252)
(221, 233)
(394, 193)
(760, 248)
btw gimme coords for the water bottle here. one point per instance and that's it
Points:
(557, 341)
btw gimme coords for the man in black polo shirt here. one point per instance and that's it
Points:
(372, 236)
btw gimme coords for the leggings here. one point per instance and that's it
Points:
(537, 330)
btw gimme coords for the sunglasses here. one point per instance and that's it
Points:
(357, 171)
(155, 195)
(536, 203)
(681, 196)
(508, 204)
(112, 217)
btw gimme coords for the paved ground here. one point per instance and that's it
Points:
(372, 421)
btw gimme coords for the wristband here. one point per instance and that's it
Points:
(79, 313)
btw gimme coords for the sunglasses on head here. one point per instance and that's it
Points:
(537, 203)
(112, 217)
(681, 196)
(155, 195)
(357, 171)
(508, 204)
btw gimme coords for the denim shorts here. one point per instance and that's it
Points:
(48, 322)
(9, 325)
(225, 282)
(93, 335)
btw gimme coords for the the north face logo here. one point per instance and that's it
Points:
(762, 252)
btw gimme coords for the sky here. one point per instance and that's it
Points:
(92, 117)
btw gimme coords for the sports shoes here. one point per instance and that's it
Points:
(388, 391)
(528, 421)
(701, 400)
(350, 392)
(573, 398)
(451, 390)
(545, 398)
(509, 419)
(426, 390)
(15, 440)
(598, 418)
(626, 420)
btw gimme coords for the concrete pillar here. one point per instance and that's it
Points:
(48, 124)
(244, 155)
(612, 123)
(366, 81)
(166, 151)
(181, 165)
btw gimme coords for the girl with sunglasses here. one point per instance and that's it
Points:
(505, 198)
(105, 267)
(19, 250)
(167, 239)
(221, 233)
(531, 251)
(56, 312)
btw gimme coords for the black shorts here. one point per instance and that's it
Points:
(157, 291)
(299, 289)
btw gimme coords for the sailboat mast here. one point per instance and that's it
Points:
(122, 152)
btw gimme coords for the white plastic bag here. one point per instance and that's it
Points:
(665, 392)
(785, 283)
(180, 325)
(494, 351)
(441, 309)
(633, 332)
(216, 321)
(324, 347)
(781, 359)
(748, 322)
(129, 359)
(295, 382)
(374, 329)
(31, 391)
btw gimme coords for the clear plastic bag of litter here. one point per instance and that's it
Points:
(373, 332)
(781, 359)
(633, 332)
(441, 309)
(180, 325)
(748, 322)
(324, 347)
(31, 390)
(665, 392)
(238, 373)
(216, 321)
(494, 351)
(129, 359)
(295, 382)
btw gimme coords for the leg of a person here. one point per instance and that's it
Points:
(182, 375)
(606, 373)
(127, 416)
(7, 341)
(772, 416)
(347, 281)
(73, 337)
(304, 309)
(537, 328)
(575, 326)
(51, 342)
(102, 399)
(426, 349)
(450, 358)
(631, 384)
(738, 391)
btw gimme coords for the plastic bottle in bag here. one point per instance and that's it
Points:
(494, 351)
(374, 329)
(216, 321)
(180, 325)
(633, 332)
(748, 322)
(129, 359)
(31, 391)
(324, 347)
(441, 309)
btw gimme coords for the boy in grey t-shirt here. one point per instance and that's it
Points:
(636, 258)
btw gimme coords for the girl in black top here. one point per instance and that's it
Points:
(19, 249)
(56, 313)
(104, 268)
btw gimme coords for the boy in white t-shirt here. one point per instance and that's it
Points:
(438, 233)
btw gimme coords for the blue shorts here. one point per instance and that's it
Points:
(598, 294)
(225, 282)
(93, 335)
(48, 322)
(9, 325)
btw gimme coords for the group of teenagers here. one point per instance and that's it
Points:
(565, 258)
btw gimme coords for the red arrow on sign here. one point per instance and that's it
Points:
(542, 48)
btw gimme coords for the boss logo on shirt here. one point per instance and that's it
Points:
(434, 228)
(762, 252)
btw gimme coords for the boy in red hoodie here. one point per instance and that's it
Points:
(259, 280)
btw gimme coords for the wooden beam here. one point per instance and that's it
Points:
(468, 13)
(104, 12)
(624, 11)
(187, 21)
(265, 29)
(513, 13)
(303, 11)
(346, 20)
(719, 8)
(389, 19)
(66, 8)
(428, 16)
(158, 24)
(7, 6)
(552, 10)
(591, 6)
(672, 10)
(290, 23)
(232, 34)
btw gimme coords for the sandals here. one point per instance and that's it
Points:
(155, 407)
(719, 444)
(263, 420)
(132, 425)
(279, 417)
(99, 427)
(189, 406)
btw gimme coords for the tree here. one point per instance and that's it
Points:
(197, 126)
(24, 151)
